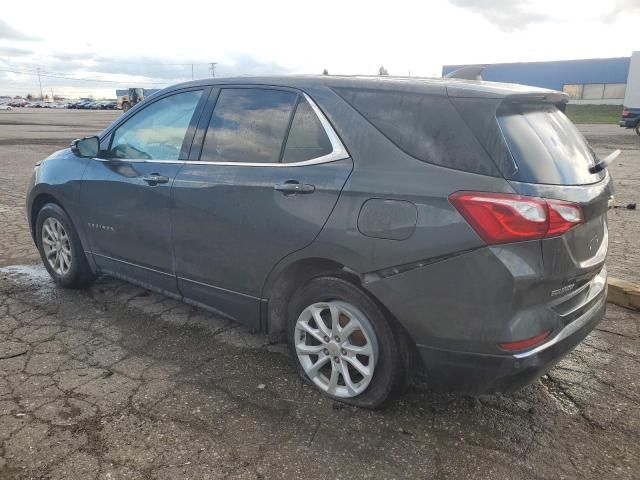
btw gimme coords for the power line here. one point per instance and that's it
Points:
(61, 76)
(152, 63)
(125, 62)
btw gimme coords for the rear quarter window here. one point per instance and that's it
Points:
(426, 127)
(307, 139)
(546, 146)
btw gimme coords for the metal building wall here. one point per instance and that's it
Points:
(556, 74)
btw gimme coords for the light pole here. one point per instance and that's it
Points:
(40, 83)
(212, 66)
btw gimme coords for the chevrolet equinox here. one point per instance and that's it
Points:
(454, 229)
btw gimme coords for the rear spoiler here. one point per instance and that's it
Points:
(472, 72)
(559, 99)
(508, 93)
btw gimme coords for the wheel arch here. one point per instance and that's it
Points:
(45, 197)
(39, 201)
(284, 284)
(281, 285)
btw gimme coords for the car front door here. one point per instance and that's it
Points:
(125, 194)
(269, 171)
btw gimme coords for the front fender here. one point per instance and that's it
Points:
(58, 179)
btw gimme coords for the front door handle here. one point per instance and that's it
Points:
(155, 179)
(293, 186)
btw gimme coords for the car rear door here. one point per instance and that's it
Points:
(265, 172)
(125, 194)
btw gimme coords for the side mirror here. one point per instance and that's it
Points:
(86, 147)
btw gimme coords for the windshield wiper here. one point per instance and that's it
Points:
(605, 162)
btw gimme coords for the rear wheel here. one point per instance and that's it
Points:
(342, 343)
(638, 128)
(125, 106)
(60, 248)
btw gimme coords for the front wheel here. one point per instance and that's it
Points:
(126, 106)
(343, 344)
(60, 248)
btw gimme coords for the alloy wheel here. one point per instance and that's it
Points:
(336, 347)
(56, 246)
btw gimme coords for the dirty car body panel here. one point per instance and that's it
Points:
(223, 233)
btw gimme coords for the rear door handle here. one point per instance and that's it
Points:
(293, 186)
(155, 179)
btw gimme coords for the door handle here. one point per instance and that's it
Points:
(155, 179)
(293, 186)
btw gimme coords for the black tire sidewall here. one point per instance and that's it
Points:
(388, 375)
(78, 261)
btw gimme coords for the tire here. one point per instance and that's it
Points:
(638, 128)
(125, 106)
(333, 298)
(60, 248)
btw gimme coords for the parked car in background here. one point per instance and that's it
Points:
(109, 105)
(81, 104)
(453, 228)
(5, 106)
(630, 118)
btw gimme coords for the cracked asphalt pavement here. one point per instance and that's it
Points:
(116, 382)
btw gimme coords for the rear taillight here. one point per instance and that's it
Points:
(625, 112)
(505, 218)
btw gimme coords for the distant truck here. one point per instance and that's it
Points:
(631, 109)
(133, 96)
(127, 98)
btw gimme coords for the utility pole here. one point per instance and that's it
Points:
(52, 98)
(192, 72)
(39, 82)
(212, 67)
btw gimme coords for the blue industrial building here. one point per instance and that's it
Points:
(597, 80)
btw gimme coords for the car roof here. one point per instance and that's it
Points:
(442, 86)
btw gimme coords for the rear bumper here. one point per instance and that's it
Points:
(477, 373)
(630, 122)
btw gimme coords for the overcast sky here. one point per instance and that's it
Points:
(144, 43)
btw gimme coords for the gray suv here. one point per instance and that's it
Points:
(385, 227)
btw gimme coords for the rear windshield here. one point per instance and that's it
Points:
(546, 146)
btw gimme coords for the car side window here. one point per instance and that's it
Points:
(427, 127)
(157, 131)
(307, 137)
(248, 125)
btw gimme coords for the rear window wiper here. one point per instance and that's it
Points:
(605, 162)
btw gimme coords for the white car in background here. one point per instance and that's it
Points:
(4, 106)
